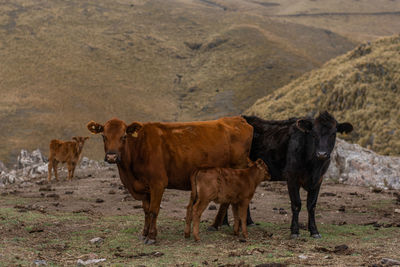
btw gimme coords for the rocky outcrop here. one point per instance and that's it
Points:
(33, 165)
(355, 165)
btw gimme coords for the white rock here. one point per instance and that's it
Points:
(355, 165)
(302, 257)
(96, 240)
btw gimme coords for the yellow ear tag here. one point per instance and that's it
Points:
(135, 134)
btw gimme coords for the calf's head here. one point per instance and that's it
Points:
(262, 167)
(322, 133)
(80, 141)
(115, 132)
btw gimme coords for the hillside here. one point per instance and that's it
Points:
(362, 87)
(63, 63)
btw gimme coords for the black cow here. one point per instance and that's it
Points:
(297, 151)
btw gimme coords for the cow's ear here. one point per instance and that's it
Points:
(75, 138)
(95, 127)
(344, 127)
(134, 128)
(304, 125)
(86, 138)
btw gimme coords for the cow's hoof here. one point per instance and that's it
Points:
(211, 228)
(142, 237)
(149, 241)
(316, 236)
(294, 236)
(251, 225)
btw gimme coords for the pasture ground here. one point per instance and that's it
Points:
(55, 222)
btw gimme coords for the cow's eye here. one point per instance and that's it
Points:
(104, 137)
(123, 138)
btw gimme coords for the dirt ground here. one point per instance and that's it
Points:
(54, 222)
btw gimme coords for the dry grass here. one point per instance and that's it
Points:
(362, 87)
(63, 63)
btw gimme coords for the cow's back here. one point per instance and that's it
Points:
(180, 148)
(61, 151)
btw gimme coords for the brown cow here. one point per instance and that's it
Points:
(65, 152)
(224, 186)
(154, 156)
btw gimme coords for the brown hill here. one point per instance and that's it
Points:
(362, 86)
(63, 63)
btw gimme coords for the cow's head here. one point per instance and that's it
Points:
(322, 131)
(80, 140)
(115, 133)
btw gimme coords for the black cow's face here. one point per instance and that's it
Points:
(322, 133)
(114, 133)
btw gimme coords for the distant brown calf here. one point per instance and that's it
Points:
(224, 186)
(65, 152)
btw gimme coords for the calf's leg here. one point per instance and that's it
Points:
(312, 197)
(236, 219)
(55, 163)
(189, 213)
(49, 168)
(198, 210)
(242, 209)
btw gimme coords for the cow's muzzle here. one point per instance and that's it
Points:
(111, 158)
(322, 155)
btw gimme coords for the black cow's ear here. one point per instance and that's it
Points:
(304, 125)
(134, 128)
(344, 127)
(95, 127)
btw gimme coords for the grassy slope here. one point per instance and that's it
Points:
(65, 63)
(362, 86)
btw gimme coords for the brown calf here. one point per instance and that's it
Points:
(224, 186)
(65, 152)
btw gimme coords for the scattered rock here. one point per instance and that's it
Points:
(39, 262)
(137, 206)
(99, 200)
(302, 257)
(390, 262)
(342, 208)
(282, 211)
(69, 192)
(97, 240)
(328, 194)
(341, 249)
(397, 210)
(271, 265)
(36, 229)
(111, 192)
(87, 262)
(212, 207)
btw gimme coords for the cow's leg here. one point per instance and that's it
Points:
(156, 193)
(294, 193)
(50, 167)
(312, 197)
(249, 221)
(189, 214)
(55, 163)
(236, 219)
(242, 209)
(198, 210)
(219, 218)
(146, 209)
